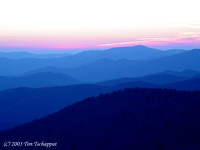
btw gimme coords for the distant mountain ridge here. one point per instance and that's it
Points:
(184, 73)
(50, 79)
(160, 78)
(137, 53)
(43, 79)
(22, 54)
(107, 69)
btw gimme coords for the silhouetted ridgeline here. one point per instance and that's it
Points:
(24, 104)
(20, 66)
(132, 119)
(24, 54)
(108, 69)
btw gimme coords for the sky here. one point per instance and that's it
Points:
(102, 24)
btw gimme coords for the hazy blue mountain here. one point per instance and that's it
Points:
(107, 69)
(178, 62)
(197, 75)
(38, 50)
(185, 73)
(44, 79)
(188, 85)
(130, 119)
(20, 55)
(138, 52)
(47, 69)
(174, 51)
(191, 84)
(23, 104)
(14, 67)
(134, 84)
(102, 69)
(188, 60)
(161, 78)
(96, 71)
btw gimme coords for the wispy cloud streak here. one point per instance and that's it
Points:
(183, 38)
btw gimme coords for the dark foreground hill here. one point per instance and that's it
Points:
(24, 104)
(132, 119)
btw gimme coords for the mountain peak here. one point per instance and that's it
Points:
(140, 46)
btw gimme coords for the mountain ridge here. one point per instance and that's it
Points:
(125, 119)
(14, 67)
(42, 101)
(43, 79)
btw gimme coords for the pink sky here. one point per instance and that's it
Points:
(186, 40)
(92, 24)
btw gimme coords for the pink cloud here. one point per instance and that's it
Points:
(183, 39)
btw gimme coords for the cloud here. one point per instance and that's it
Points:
(191, 26)
(183, 38)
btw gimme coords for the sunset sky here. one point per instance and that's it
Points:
(91, 24)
